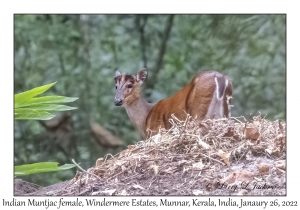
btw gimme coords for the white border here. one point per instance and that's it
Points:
(8, 8)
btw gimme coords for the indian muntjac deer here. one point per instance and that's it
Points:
(208, 95)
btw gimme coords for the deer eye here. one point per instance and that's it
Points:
(129, 86)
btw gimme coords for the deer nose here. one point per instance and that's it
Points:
(118, 102)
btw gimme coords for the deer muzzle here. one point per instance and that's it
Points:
(118, 101)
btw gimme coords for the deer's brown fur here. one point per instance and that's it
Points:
(205, 96)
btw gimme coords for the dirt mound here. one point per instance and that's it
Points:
(214, 157)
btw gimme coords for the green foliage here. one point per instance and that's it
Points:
(42, 167)
(29, 107)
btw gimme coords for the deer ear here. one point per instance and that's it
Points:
(141, 76)
(118, 73)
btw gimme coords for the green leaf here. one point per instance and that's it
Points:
(30, 108)
(67, 166)
(42, 167)
(47, 107)
(31, 114)
(49, 99)
(21, 98)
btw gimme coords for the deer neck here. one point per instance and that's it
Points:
(138, 112)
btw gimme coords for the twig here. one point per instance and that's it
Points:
(237, 119)
(85, 170)
(213, 159)
(135, 175)
(152, 181)
(106, 157)
(114, 176)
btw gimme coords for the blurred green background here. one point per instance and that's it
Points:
(82, 52)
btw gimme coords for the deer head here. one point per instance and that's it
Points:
(128, 86)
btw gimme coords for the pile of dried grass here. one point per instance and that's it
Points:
(186, 158)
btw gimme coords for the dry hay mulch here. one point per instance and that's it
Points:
(213, 157)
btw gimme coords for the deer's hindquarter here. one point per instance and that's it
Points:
(214, 89)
